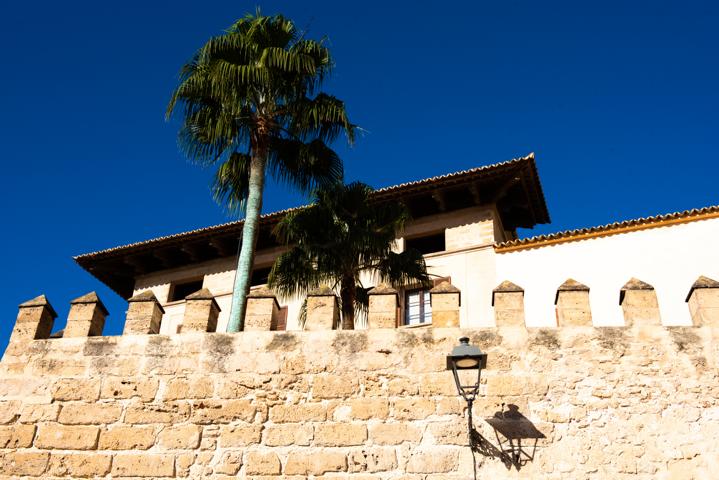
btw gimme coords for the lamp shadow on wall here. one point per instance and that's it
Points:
(516, 436)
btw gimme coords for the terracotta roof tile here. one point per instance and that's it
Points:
(379, 194)
(608, 229)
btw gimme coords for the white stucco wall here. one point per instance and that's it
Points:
(670, 258)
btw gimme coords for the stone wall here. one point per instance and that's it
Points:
(583, 402)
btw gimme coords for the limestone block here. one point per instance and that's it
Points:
(288, 434)
(35, 319)
(374, 459)
(76, 389)
(703, 300)
(240, 435)
(322, 310)
(34, 413)
(86, 317)
(144, 314)
(441, 383)
(201, 312)
(334, 386)
(508, 303)
(177, 437)
(382, 307)
(9, 411)
(79, 465)
(17, 436)
(90, 413)
(448, 433)
(262, 463)
(140, 413)
(229, 464)
(262, 310)
(433, 460)
(24, 463)
(143, 465)
(572, 304)
(446, 300)
(189, 388)
(213, 411)
(126, 437)
(121, 387)
(315, 462)
(304, 412)
(53, 436)
(415, 408)
(340, 434)
(639, 303)
(369, 408)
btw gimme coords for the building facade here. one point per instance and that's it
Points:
(602, 343)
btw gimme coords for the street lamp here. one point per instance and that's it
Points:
(467, 357)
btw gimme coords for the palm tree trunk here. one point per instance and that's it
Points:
(250, 230)
(347, 293)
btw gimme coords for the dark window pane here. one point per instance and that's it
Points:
(259, 276)
(180, 290)
(426, 244)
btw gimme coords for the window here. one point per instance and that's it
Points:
(259, 276)
(426, 244)
(178, 291)
(417, 307)
(417, 304)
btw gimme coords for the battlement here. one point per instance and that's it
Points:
(637, 299)
(573, 401)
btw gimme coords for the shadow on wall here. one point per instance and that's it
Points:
(516, 435)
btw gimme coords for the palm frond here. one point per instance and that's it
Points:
(306, 166)
(232, 182)
(403, 268)
(322, 117)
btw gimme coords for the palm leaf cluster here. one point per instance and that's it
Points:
(255, 88)
(339, 239)
(250, 103)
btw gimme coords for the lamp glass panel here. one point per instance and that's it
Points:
(467, 363)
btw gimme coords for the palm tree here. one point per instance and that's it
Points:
(250, 103)
(337, 239)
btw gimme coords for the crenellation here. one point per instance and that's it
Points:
(508, 303)
(322, 310)
(144, 314)
(34, 321)
(572, 304)
(262, 312)
(446, 300)
(86, 317)
(201, 312)
(639, 303)
(371, 403)
(703, 301)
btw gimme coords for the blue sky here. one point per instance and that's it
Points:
(618, 100)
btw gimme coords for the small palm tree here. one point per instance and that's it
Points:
(337, 239)
(250, 104)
